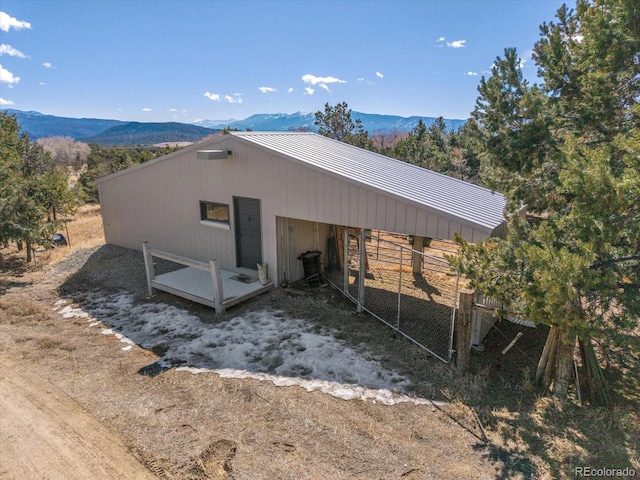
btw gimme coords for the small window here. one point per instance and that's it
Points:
(214, 212)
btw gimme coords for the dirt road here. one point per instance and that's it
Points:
(44, 434)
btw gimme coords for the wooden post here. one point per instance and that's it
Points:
(218, 295)
(148, 266)
(542, 362)
(339, 236)
(66, 228)
(416, 258)
(463, 330)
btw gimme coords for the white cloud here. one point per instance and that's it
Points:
(12, 52)
(290, 90)
(313, 80)
(379, 75)
(309, 91)
(5, 102)
(456, 44)
(7, 22)
(441, 39)
(146, 110)
(472, 74)
(7, 77)
(267, 89)
(321, 82)
(173, 109)
(212, 96)
(235, 98)
(41, 83)
(364, 80)
(47, 65)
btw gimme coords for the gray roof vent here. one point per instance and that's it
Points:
(213, 154)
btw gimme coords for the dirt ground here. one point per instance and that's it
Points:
(67, 442)
(74, 404)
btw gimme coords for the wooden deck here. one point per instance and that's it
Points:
(201, 282)
(197, 285)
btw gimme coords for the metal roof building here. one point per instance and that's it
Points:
(463, 202)
(266, 197)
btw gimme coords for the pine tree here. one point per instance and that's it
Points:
(335, 122)
(33, 189)
(567, 150)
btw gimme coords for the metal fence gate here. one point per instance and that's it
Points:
(413, 292)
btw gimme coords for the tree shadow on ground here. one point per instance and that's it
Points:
(536, 436)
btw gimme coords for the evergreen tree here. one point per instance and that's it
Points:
(33, 189)
(414, 148)
(335, 122)
(567, 150)
(439, 149)
(428, 147)
(466, 148)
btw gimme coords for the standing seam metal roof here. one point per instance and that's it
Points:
(435, 191)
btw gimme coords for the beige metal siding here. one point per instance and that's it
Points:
(296, 237)
(159, 203)
(443, 195)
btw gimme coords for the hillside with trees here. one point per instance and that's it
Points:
(37, 190)
(105, 160)
(148, 133)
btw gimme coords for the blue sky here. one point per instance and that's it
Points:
(157, 61)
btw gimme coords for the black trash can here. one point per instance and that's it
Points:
(311, 263)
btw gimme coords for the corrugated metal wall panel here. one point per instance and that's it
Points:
(160, 203)
(446, 196)
(296, 237)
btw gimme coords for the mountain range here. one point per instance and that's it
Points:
(117, 132)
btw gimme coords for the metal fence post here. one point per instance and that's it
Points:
(363, 268)
(345, 256)
(399, 290)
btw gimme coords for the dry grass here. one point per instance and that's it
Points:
(83, 230)
(496, 425)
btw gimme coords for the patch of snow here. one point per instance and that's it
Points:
(70, 312)
(265, 345)
(335, 389)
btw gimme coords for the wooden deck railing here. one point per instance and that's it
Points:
(212, 267)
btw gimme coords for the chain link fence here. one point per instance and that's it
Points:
(412, 291)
